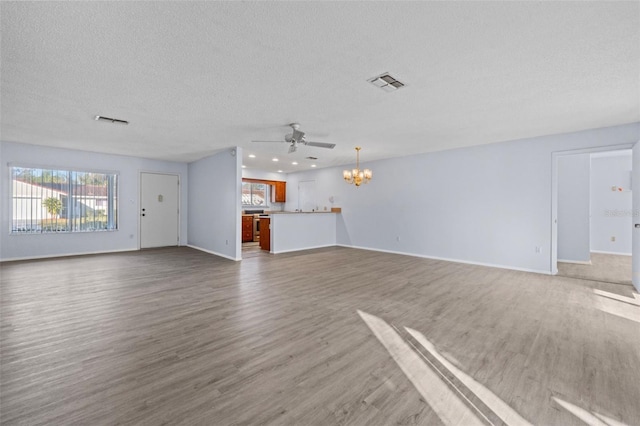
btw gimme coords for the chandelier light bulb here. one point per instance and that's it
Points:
(356, 176)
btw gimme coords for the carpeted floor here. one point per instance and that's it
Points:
(604, 267)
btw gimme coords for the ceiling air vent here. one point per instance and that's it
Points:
(386, 82)
(110, 120)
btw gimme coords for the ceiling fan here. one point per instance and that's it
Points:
(297, 138)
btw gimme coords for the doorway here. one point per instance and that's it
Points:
(159, 210)
(591, 205)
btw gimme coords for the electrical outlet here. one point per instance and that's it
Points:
(613, 239)
(538, 249)
(398, 238)
(226, 242)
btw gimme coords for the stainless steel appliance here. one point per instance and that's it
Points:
(256, 222)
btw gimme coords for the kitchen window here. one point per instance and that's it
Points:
(54, 201)
(255, 194)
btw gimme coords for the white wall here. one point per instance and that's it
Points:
(487, 204)
(611, 210)
(302, 231)
(214, 204)
(573, 208)
(127, 235)
(636, 216)
(258, 174)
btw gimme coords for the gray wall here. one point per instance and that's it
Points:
(487, 204)
(611, 210)
(573, 208)
(215, 204)
(128, 168)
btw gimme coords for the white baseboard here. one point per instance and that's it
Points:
(215, 253)
(490, 265)
(610, 252)
(51, 256)
(578, 262)
(301, 249)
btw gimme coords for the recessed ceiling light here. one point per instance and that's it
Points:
(274, 159)
(295, 163)
(252, 156)
(313, 165)
(279, 171)
(244, 167)
(386, 82)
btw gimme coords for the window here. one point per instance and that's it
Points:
(255, 194)
(47, 200)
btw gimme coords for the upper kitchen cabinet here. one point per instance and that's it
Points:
(279, 192)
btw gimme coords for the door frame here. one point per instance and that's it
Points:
(553, 251)
(140, 172)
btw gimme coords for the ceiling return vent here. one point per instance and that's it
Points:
(110, 120)
(386, 82)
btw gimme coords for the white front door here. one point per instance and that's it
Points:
(159, 198)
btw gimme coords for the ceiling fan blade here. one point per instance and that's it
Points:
(269, 141)
(293, 148)
(321, 144)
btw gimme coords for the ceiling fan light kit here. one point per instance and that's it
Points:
(356, 176)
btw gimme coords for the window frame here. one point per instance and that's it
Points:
(267, 195)
(113, 201)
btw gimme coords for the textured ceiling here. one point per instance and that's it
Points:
(197, 77)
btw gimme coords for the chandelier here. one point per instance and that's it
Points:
(357, 176)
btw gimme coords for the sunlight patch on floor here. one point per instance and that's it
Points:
(444, 401)
(635, 300)
(491, 400)
(620, 306)
(592, 419)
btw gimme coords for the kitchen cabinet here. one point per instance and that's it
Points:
(279, 192)
(265, 233)
(247, 228)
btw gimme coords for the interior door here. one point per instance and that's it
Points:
(159, 210)
(635, 238)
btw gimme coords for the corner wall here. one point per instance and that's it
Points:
(214, 204)
(636, 217)
(488, 204)
(573, 208)
(13, 247)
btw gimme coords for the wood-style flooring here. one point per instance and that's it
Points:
(177, 336)
(253, 249)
